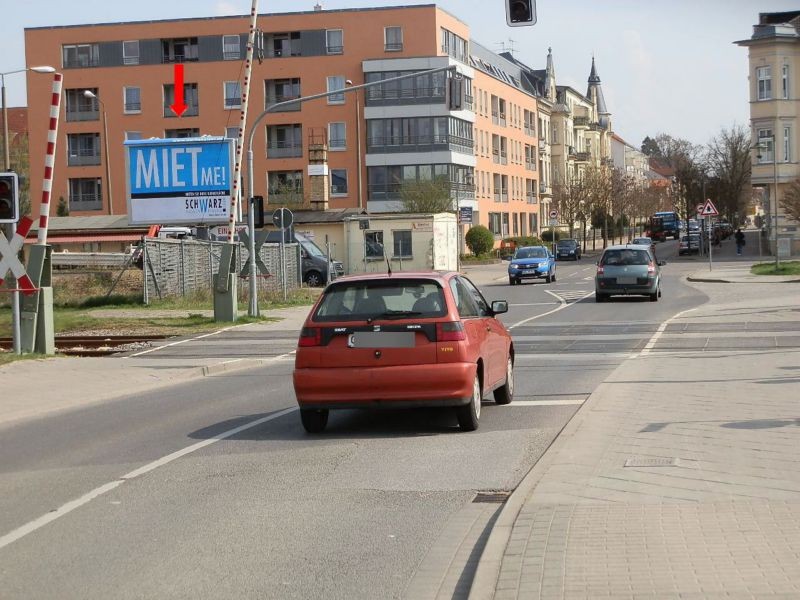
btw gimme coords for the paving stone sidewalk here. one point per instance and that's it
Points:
(679, 478)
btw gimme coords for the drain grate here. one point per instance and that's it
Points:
(652, 462)
(491, 497)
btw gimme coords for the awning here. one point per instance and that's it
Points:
(87, 238)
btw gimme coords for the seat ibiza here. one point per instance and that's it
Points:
(427, 339)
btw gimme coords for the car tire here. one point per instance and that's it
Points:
(599, 297)
(654, 297)
(313, 279)
(314, 420)
(554, 275)
(511, 281)
(549, 278)
(469, 414)
(505, 393)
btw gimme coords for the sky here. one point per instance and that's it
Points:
(666, 67)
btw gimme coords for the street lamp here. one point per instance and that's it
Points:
(15, 313)
(91, 94)
(349, 83)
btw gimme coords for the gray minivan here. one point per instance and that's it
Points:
(628, 270)
(314, 260)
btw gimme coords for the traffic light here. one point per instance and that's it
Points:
(520, 13)
(9, 198)
(257, 206)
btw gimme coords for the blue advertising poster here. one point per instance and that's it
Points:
(179, 181)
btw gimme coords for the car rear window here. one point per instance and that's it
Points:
(626, 256)
(567, 243)
(384, 298)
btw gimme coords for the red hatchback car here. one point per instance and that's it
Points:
(403, 340)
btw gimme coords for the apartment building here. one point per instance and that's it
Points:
(482, 142)
(774, 73)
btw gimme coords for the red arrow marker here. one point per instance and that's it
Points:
(178, 107)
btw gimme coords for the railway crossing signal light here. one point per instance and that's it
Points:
(520, 13)
(9, 198)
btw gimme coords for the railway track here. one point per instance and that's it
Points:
(93, 345)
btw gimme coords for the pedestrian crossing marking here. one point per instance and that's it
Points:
(569, 295)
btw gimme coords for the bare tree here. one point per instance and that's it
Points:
(790, 201)
(599, 188)
(570, 194)
(426, 196)
(729, 156)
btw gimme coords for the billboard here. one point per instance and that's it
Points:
(179, 181)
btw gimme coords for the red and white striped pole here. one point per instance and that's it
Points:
(47, 183)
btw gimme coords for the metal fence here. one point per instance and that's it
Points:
(186, 267)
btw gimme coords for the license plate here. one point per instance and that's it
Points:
(626, 280)
(529, 271)
(381, 339)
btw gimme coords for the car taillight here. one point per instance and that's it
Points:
(450, 332)
(310, 336)
(600, 269)
(651, 268)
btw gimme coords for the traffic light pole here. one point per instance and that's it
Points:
(15, 317)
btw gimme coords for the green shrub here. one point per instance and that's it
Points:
(479, 240)
(524, 240)
(547, 235)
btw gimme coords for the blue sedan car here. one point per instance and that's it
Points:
(532, 262)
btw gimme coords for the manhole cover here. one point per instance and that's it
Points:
(652, 462)
(491, 497)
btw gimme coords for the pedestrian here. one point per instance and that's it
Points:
(739, 235)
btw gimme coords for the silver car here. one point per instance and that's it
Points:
(628, 270)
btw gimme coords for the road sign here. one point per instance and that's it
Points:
(699, 209)
(554, 215)
(9, 261)
(179, 181)
(465, 214)
(282, 218)
(709, 210)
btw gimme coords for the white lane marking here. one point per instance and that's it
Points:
(199, 337)
(67, 508)
(545, 402)
(660, 331)
(535, 304)
(561, 306)
(556, 296)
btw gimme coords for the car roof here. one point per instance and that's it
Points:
(624, 246)
(440, 276)
(526, 247)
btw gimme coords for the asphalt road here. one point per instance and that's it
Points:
(272, 512)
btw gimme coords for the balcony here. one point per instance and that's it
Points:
(580, 122)
(133, 107)
(78, 202)
(82, 115)
(191, 111)
(583, 156)
(571, 152)
(284, 150)
(542, 187)
(84, 157)
(542, 146)
(420, 143)
(334, 49)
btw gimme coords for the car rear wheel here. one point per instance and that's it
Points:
(654, 297)
(599, 297)
(313, 279)
(469, 414)
(314, 420)
(505, 394)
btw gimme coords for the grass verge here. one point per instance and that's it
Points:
(784, 268)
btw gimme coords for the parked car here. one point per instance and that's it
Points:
(628, 270)
(689, 244)
(313, 261)
(532, 262)
(568, 248)
(394, 341)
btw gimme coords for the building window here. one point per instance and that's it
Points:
(233, 94)
(392, 39)
(764, 78)
(334, 41)
(495, 223)
(787, 144)
(336, 82)
(85, 194)
(133, 135)
(402, 244)
(454, 46)
(338, 182)
(337, 139)
(83, 149)
(285, 141)
(130, 52)
(373, 244)
(80, 55)
(190, 98)
(232, 132)
(132, 99)
(282, 90)
(285, 44)
(231, 47)
(179, 50)
(185, 132)
(81, 108)
(516, 224)
(785, 81)
(766, 146)
(533, 222)
(505, 225)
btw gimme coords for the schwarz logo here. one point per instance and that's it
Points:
(205, 205)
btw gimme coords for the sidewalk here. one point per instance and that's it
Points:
(679, 477)
(36, 387)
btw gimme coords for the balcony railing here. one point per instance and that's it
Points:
(334, 49)
(179, 58)
(133, 107)
(191, 111)
(531, 196)
(529, 131)
(83, 115)
(420, 143)
(83, 158)
(421, 95)
(582, 122)
(530, 165)
(583, 156)
(542, 187)
(80, 62)
(393, 46)
(85, 202)
(284, 150)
